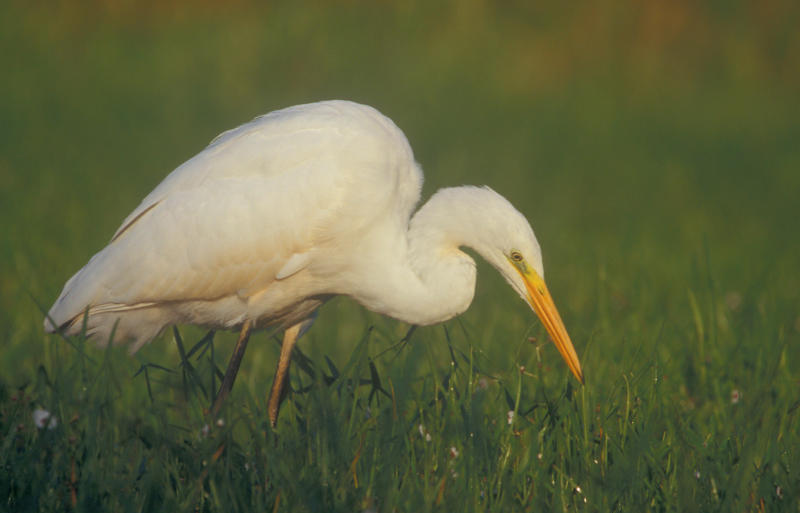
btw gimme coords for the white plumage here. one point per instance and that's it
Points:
(279, 214)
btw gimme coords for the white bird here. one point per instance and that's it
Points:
(276, 216)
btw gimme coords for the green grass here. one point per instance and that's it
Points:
(658, 164)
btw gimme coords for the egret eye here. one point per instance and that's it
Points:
(516, 256)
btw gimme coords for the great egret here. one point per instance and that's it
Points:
(278, 215)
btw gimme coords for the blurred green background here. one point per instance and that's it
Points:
(639, 138)
(653, 145)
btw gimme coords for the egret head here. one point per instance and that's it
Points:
(509, 244)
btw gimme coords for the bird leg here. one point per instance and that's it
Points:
(233, 367)
(277, 393)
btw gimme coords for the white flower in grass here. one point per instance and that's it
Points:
(453, 452)
(43, 418)
(735, 396)
(205, 430)
(510, 416)
(220, 422)
(424, 434)
(697, 474)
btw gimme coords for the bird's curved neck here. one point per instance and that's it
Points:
(438, 279)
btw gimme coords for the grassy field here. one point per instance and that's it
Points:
(653, 147)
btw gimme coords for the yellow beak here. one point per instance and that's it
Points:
(542, 303)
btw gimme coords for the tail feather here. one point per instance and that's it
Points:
(134, 325)
(73, 312)
(70, 303)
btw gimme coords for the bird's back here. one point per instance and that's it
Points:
(257, 205)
